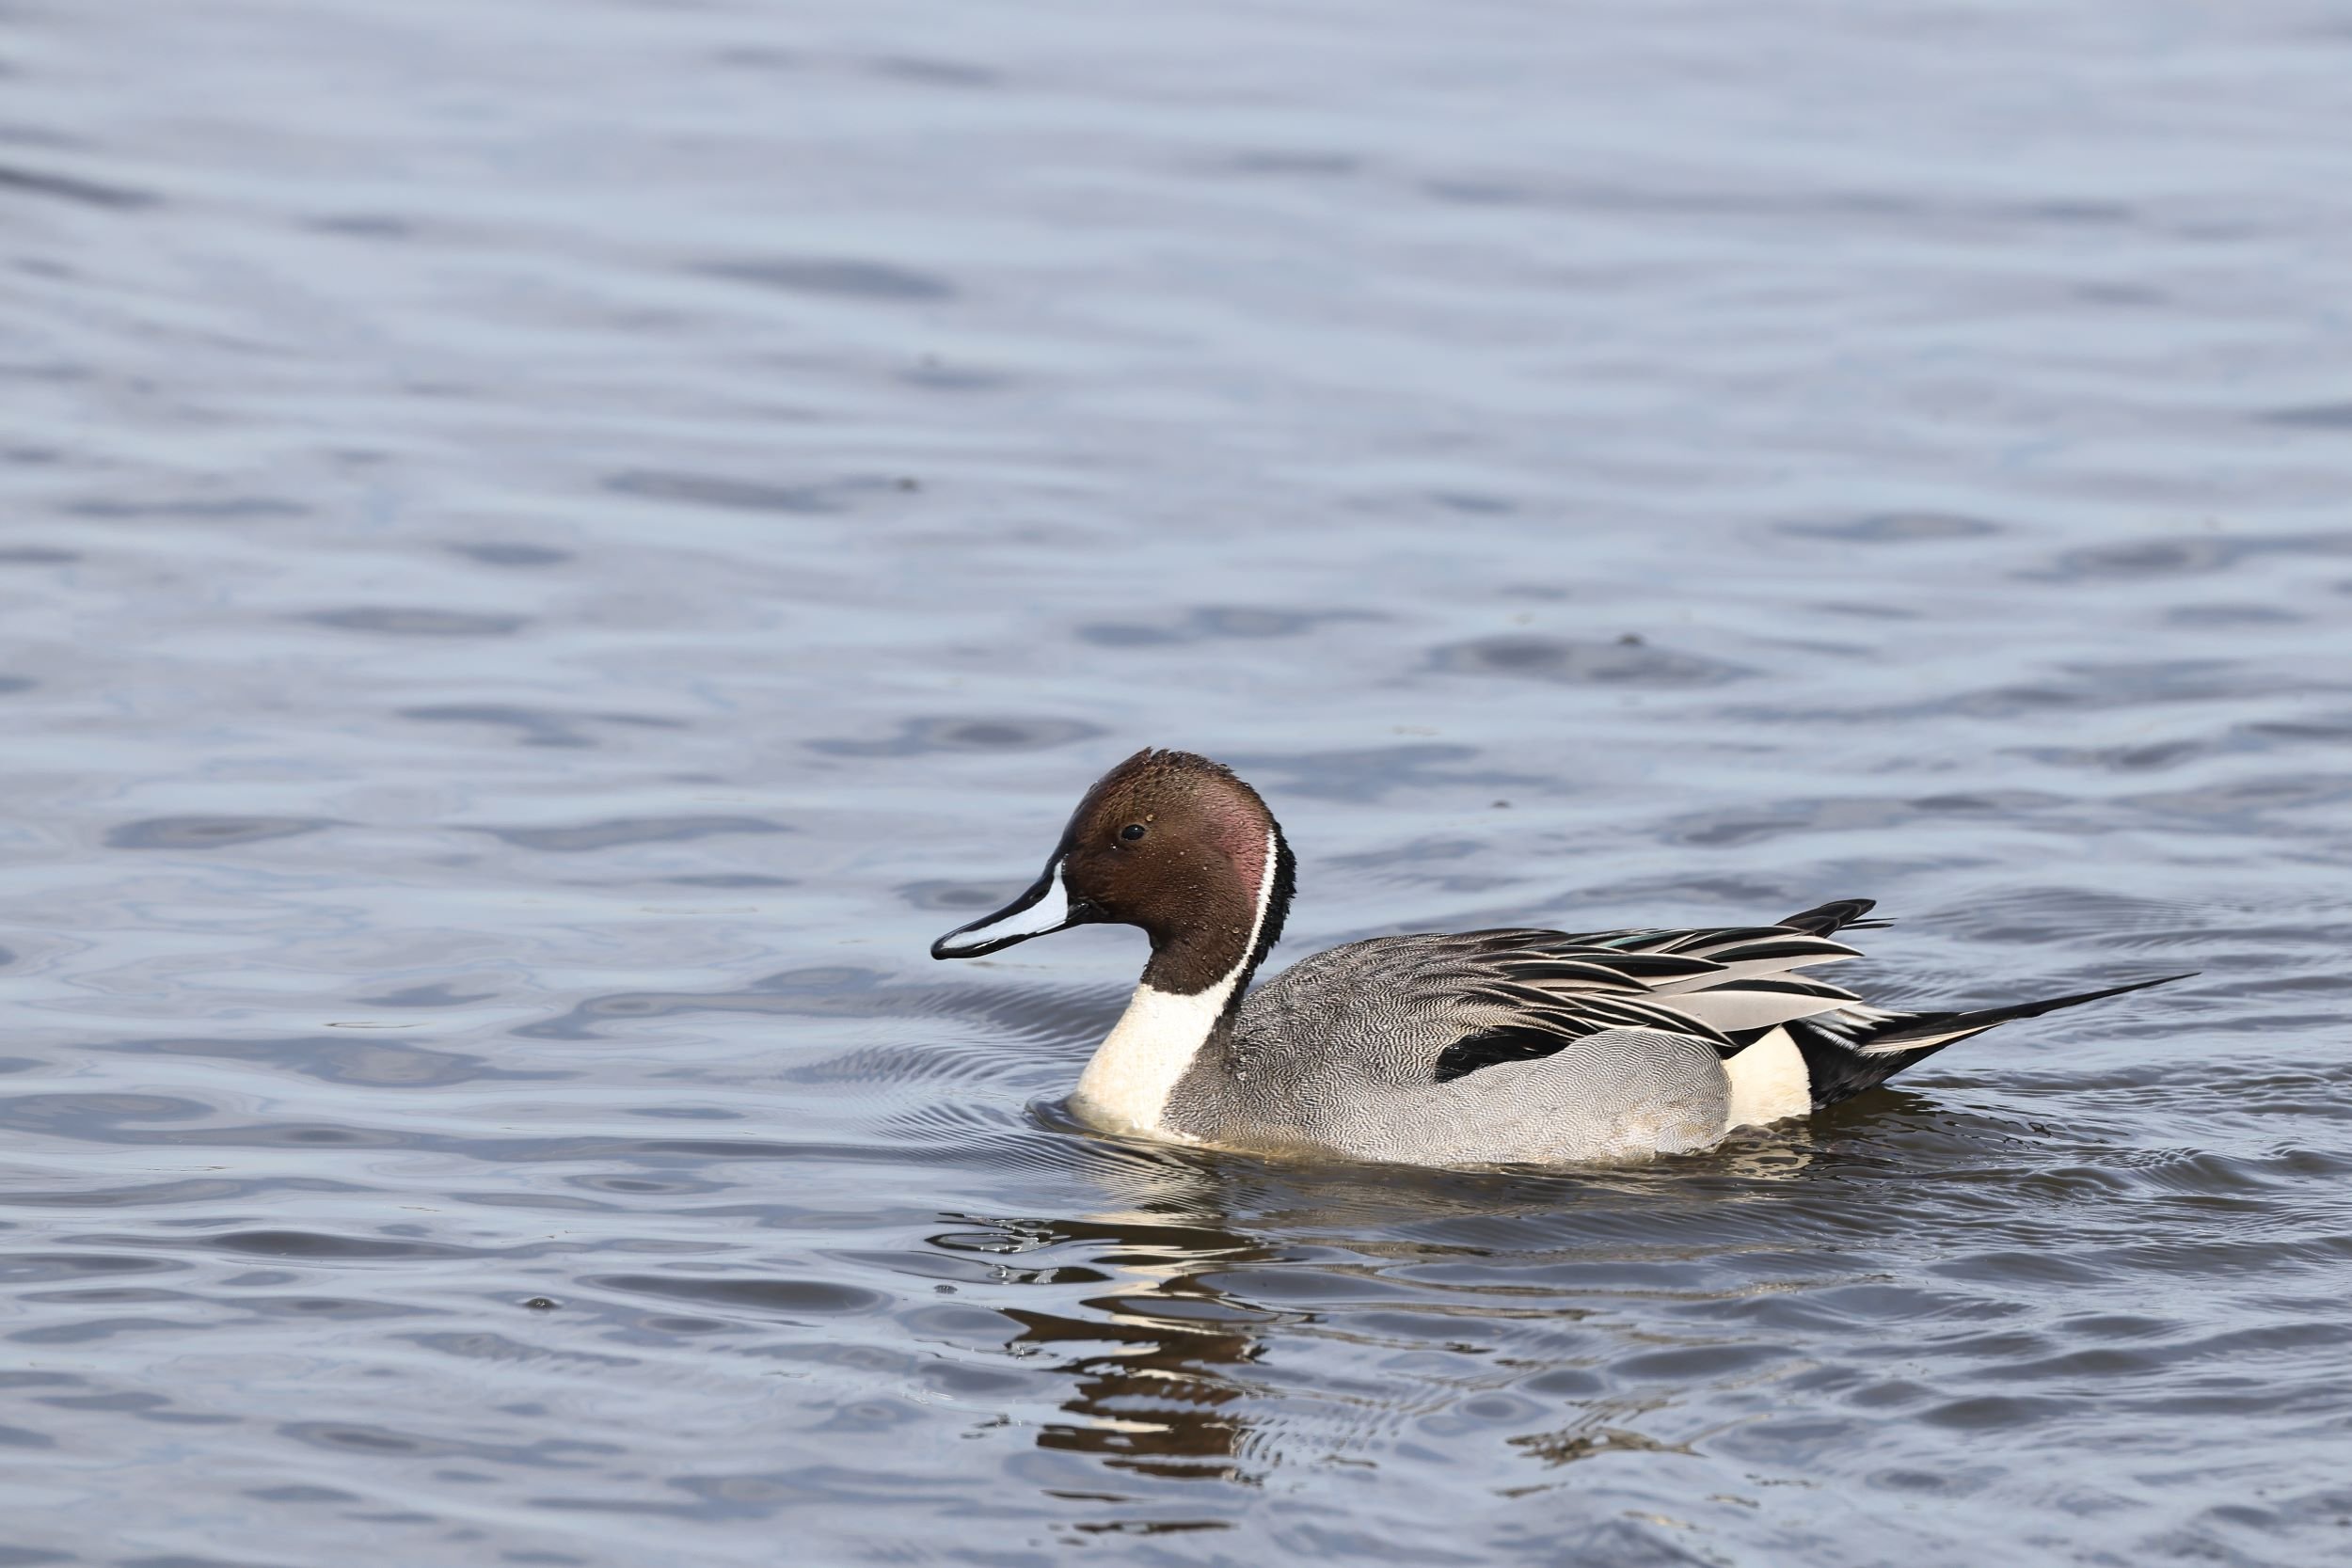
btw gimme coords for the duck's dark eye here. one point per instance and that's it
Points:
(1133, 831)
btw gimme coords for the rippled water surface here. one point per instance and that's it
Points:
(546, 548)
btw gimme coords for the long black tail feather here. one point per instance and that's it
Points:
(1941, 1027)
(1841, 1063)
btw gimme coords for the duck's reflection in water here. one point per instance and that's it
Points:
(1159, 1357)
(1152, 1361)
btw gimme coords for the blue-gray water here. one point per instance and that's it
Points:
(551, 546)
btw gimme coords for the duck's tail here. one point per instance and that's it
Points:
(1859, 1048)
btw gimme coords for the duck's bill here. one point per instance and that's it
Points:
(1045, 907)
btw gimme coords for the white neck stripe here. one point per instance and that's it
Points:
(1266, 897)
(1126, 1084)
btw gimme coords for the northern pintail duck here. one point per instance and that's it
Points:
(1470, 1048)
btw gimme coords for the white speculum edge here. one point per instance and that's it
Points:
(1126, 1084)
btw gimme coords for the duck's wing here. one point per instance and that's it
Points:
(1726, 985)
(1435, 1007)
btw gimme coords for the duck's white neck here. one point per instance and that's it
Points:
(1126, 1084)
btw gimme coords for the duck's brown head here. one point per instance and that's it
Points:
(1172, 843)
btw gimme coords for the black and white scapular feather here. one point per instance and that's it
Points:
(1732, 986)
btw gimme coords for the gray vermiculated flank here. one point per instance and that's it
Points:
(1339, 1051)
